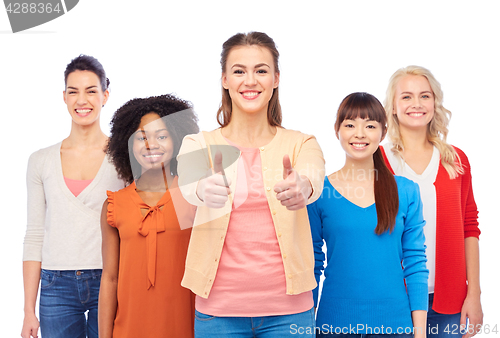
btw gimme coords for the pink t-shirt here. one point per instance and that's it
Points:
(76, 186)
(250, 280)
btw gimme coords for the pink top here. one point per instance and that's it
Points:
(250, 280)
(76, 186)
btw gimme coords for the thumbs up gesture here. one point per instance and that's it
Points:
(214, 189)
(295, 189)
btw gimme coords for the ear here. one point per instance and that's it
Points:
(106, 96)
(337, 135)
(64, 96)
(276, 80)
(224, 81)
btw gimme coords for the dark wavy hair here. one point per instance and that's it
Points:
(366, 106)
(181, 121)
(274, 116)
(90, 63)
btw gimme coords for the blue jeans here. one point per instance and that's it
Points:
(65, 296)
(362, 335)
(441, 325)
(300, 324)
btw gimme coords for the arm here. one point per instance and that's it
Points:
(109, 281)
(419, 318)
(472, 305)
(317, 237)
(414, 260)
(33, 242)
(31, 276)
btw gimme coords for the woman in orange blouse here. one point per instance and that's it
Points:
(144, 225)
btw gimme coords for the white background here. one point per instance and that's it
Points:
(328, 50)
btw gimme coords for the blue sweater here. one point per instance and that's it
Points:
(364, 288)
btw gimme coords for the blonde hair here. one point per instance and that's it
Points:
(437, 129)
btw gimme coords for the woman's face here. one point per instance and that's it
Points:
(250, 78)
(360, 138)
(152, 145)
(84, 97)
(414, 102)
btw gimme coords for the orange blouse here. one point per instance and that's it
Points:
(151, 301)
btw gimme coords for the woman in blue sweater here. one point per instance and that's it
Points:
(372, 223)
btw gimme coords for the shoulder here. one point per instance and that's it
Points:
(40, 156)
(406, 185)
(461, 154)
(294, 135)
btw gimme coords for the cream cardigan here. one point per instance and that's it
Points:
(210, 225)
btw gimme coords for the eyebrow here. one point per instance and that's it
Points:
(85, 88)
(156, 131)
(256, 66)
(426, 91)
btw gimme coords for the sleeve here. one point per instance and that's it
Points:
(471, 225)
(317, 236)
(35, 230)
(309, 162)
(413, 245)
(110, 214)
(193, 164)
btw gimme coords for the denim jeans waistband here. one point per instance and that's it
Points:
(76, 273)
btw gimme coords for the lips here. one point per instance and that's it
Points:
(83, 111)
(359, 146)
(153, 157)
(250, 95)
(416, 114)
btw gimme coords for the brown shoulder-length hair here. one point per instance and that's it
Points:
(366, 106)
(249, 39)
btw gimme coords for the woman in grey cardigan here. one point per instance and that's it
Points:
(67, 185)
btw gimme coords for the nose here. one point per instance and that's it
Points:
(250, 79)
(360, 132)
(417, 103)
(82, 99)
(151, 143)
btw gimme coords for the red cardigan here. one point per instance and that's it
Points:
(456, 219)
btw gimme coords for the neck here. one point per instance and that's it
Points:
(90, 136)
(415, 139)
(358, 169)
(249, 129)
(155, 179)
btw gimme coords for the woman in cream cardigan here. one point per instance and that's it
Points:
(250, 259)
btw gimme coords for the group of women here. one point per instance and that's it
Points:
(221, 233)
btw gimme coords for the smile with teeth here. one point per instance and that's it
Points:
(250, 94)
(152, 155)
(359, 145)
(83, 111)
(416, 114)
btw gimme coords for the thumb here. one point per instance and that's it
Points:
(287, 166)
(218, 163)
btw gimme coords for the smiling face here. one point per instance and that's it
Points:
(360, 138)
(152, 144)
(414, 102)
(250, 78)
(84, 97)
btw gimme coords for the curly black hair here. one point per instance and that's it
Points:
(127, 119)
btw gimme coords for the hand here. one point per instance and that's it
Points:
(294, 191)
(30, 326)
(214, 189)
(472, 310)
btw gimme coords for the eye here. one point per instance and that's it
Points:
(92, 92)
(349, 125)
(426, 96)
(163, 137)
(262, 71)
(406, 97)
(72, 92)
(371, 126)
(238, 71)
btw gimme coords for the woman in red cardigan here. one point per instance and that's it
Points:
(417, 129)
